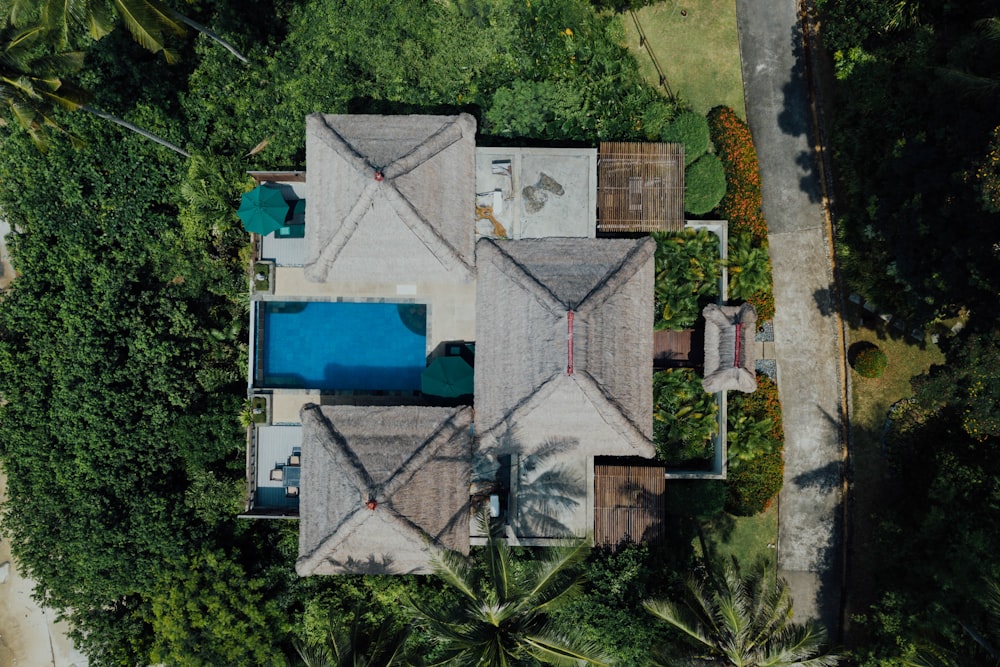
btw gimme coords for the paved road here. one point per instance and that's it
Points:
(806, 329)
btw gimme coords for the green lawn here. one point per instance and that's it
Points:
(747, 538)
(699, 52)
(871, 398)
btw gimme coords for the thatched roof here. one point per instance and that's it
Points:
(729, 348)
(526, 292)
(383, 488)
(416, 223)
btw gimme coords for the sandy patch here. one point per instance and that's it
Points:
(29, 634)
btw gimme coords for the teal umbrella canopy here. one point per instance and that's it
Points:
(263, 210)
(448, 377)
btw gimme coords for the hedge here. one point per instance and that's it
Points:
(755, 483)
(691, 129)
(734, 146)
(704, 185)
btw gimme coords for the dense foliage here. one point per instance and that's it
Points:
(684, 418)
(687, 276)
(912, 134)
(609, 610)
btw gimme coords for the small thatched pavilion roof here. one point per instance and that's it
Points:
(640, 187)
(594, 385)
(382, 488)
(729, 348)
(391, 198)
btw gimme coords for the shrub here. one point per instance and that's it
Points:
(687, 273)
(704, 185)
(870, 361)
(761, 404)
(763, 303)
(749, 267)
(684, 419)
(754, 422)
(753, 485)
(655, 118)
(691, 129)
(734, 146)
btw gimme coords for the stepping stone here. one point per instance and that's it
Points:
(869, 306)
(855, 299)
(918, 335)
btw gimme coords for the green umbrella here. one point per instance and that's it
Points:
(449, 377)
(263, 210)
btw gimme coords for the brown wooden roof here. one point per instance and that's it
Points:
(628, 503)
(640, 187)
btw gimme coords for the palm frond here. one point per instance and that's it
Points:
(142, 23)
(455, 572)
(673, 615)
(563, 651)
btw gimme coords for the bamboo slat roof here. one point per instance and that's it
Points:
(628, 503)
(640, 187)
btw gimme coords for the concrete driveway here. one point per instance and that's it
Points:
(807, 330)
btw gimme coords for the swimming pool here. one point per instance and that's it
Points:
(341, 345)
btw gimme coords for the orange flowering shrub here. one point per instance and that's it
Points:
(763, 303)
(762, 404)
(734, 146)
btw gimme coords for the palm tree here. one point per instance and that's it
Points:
(31, 89)
(355, 645)
(148, 21)
(744, 621)
(503, 619)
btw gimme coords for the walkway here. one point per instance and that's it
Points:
(806, 327)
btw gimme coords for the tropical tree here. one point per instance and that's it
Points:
(355, 644)
(504, 614)
(148, 21)
(744, 621)
(32, 88)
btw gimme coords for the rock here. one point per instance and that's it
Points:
(4, 572)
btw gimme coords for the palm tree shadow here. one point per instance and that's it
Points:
(543, 487)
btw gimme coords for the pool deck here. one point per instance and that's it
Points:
(451, 315)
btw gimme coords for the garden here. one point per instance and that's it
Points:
(122, 342)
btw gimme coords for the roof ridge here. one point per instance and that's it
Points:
(328, 255)
(449, 133)
(617, 417)
(622, 272)
(427, 449)
(424, 231)
(526, 278)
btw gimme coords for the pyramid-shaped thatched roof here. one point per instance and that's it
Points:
(527, 293)
(383, 488)
(729, 348)
(391, 198)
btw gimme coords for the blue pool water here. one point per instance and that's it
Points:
(345, 346)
